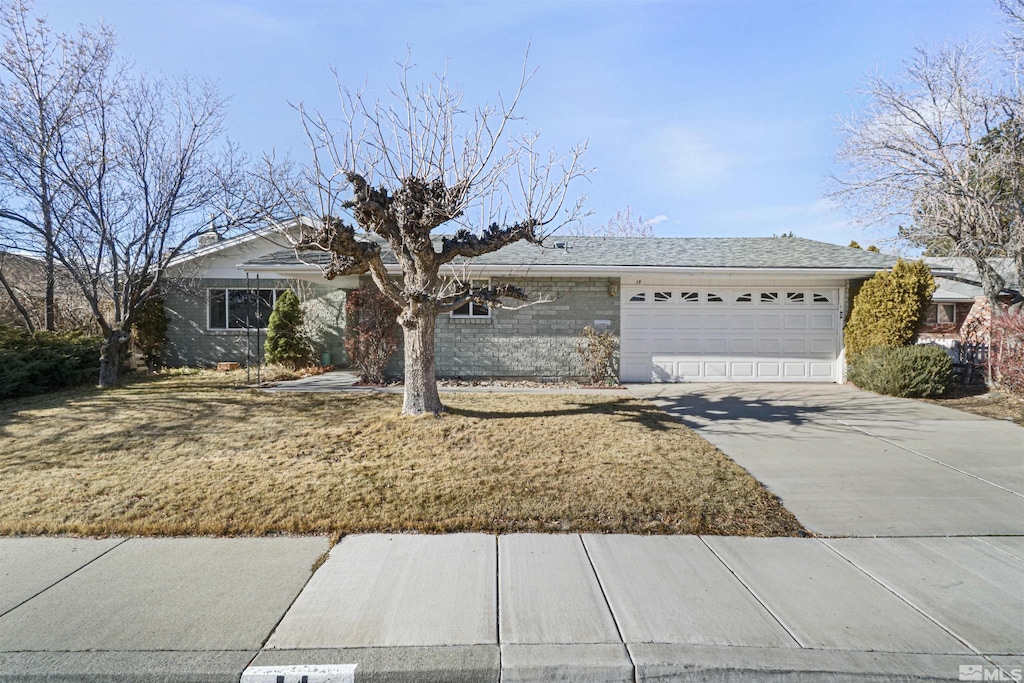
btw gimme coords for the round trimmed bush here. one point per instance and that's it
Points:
(911, 371)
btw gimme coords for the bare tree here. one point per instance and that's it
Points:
(913, 157)
(418, 160)
(623, 224)
(141, 172)
(44, 77)
(1013, 49)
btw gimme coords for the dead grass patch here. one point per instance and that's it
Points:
(188, 454)
(982, 401)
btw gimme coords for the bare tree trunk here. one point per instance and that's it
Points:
(49, 308)
(17, 303)
(50, 315)
(112, 357)
(421, 395)
(1018, 262)
(992, 282)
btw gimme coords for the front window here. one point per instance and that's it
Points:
(238, 309)
(942, 314)
(473, 309)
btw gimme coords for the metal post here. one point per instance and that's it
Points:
(248, 342)
(259, 356)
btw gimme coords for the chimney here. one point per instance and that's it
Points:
(210, 237)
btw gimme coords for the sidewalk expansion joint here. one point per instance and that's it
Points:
(906, 601)
(64, 578)
(756, 597)
(928, 457)
(497, 599)
(314, 568)
(604, 595)
(608, 604)
(1002, 550)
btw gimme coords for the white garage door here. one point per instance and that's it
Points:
(690, 334)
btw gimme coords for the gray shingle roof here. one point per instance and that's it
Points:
(953, 290)
(966, 270)
(667, 252)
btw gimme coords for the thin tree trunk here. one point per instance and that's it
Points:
(50, 305)
(17, 303)
(992, 282)
(112, 356)
(421, 395)
(1018, 262)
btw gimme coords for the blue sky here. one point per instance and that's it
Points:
(709, 118)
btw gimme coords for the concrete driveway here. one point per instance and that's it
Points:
(850, 463)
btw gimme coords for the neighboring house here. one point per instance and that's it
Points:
(959, 299)
(26, 276)
(685, 309)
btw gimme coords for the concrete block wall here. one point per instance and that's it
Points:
(190, 343)
(537, 341)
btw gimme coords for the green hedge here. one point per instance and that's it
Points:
(909, 371)
(34, 363)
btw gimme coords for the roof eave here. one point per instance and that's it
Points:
(241, 238)
(541, 270)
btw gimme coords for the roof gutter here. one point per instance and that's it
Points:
(599, 271)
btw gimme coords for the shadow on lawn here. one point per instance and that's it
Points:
(145, 406)
(631, 409)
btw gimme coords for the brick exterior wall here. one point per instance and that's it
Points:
(190, 343)
(947, 329)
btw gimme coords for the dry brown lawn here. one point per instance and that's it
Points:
(981, 401)
(196, 454)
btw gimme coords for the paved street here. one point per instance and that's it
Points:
(514, 608)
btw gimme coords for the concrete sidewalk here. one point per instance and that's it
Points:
(513, 608)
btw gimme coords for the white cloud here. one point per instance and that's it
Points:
(687, 161)
(660, 218)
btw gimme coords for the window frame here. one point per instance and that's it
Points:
(276, 292)
(952, 317)
(452, 315)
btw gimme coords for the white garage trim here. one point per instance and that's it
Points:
(777, 333)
